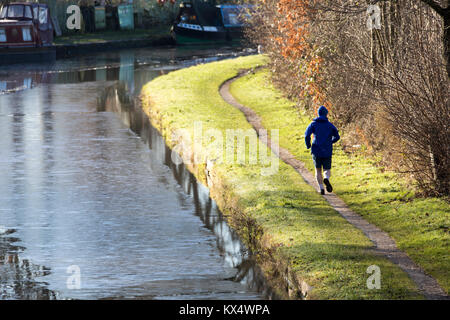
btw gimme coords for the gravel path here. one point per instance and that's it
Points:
(383, 244)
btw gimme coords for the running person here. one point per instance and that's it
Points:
(325, 134)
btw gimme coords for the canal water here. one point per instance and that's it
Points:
(90, 205)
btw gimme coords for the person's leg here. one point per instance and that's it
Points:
(327, 173)
(319, 178)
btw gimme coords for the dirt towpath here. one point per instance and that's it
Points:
(384, 245)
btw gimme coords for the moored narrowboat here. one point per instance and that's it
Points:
(202, 21)
(26, 33)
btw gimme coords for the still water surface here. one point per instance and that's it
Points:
(85, 181)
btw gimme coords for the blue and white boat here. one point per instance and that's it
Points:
(202, 21)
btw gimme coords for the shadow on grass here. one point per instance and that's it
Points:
(325, 249)
(343, 271)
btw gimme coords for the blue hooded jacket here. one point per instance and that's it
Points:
(325, 134)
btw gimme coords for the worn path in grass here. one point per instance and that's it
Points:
(384, 245)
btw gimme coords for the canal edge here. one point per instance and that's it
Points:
(283, 282)
(71, 50)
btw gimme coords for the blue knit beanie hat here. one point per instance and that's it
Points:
(323, 111)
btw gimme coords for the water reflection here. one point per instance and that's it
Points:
(119, 100)
(17, 275)
(108, 66)
(79, 188)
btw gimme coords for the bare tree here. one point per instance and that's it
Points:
(444, 12)
(388, 85)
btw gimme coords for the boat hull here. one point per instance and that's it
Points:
(189, 36)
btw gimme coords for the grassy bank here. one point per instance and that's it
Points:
(107, 36)
(293, 229)
(419, 226)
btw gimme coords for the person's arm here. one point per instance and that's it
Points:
(308, 133)
(336, 136)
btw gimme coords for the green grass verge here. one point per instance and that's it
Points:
(105, 36)
(319, 246)
(419, 226)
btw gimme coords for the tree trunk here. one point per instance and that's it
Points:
(446, 39)
(445, 14)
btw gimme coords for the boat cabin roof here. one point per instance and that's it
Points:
(23, 11)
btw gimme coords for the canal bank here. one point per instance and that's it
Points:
(84, 44)
(411, 230)
(67, 46)
(306, 249)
